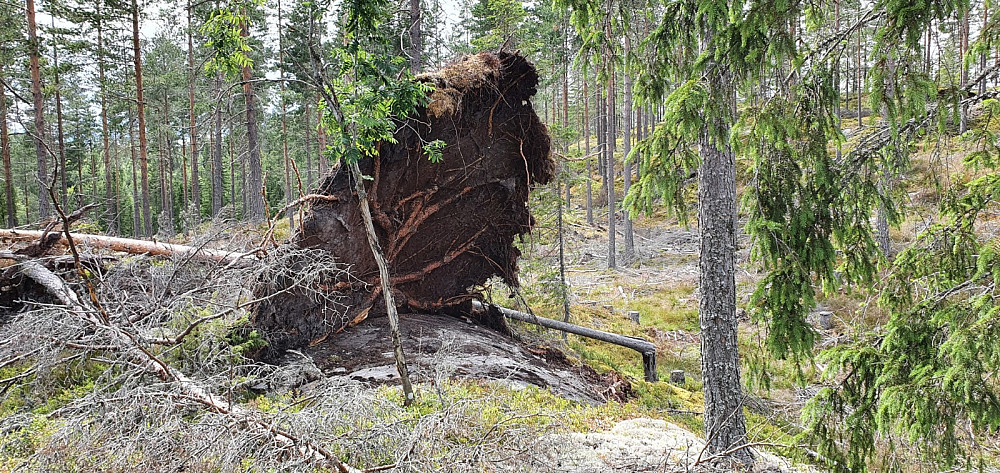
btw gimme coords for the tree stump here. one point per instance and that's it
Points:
(677, 377)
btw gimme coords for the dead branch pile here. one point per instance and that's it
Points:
(160, 334)
(445, 227)
(139, 366)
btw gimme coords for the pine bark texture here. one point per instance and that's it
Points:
(627, 172)
(8, 183)
(416, 43)
(321, 158)
(254, 192)
(60, 135)
(609, 162)
(38, 134)
(111, 201)
(586, 138)
(217, 188)
(444, 227)
(195, 181)
(285, 160)
(147, 219)
(308, 144)
(725, 425)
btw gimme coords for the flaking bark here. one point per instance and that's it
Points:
(725, 426)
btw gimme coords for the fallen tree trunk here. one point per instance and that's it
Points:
(127, 245)
(445, 227)
(646, 348)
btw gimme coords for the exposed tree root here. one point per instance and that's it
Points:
(445, 227)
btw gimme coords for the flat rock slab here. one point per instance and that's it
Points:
(641, 445)
(441, 347)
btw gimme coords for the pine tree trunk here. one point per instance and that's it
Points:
(164, 222)
(885, 182)
(306, 114)
(147, 220)
(860, 86)
(192, 74)
(602, 146)
(233, 199)
(244, 179)
(725, 426)
(171, 211)
(38, 134)
(5, 153)
(217, 188)
(110, 201)
(115, 177)
(564, 288)
(94, 196)
(609, 161)
(586, 141)
(254, 193)
(565, 97)
(321, 135)
(416, 44)
(137, 228)
(964, 69)
(982, 56)
(26, 190)
(184, 186)
(60, 136)
(836, 69)
(167, 174)
(627, 173)
(284, 122)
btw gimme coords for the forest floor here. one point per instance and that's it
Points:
(485, 402)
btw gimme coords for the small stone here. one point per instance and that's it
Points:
(677, 377)
(634, 315)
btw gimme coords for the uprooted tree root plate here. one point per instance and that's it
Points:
(445, 227)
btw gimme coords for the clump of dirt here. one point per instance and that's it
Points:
(444, 227)
(452, 83)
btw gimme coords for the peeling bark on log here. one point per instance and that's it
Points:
(126, 245)
(445, 227)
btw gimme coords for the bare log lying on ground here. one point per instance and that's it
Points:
(445, 227)
(646, 348)
(127, 245)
